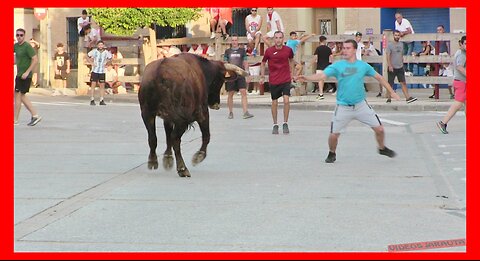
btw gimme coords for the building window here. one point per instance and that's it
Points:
(238, 17)
(325, 26)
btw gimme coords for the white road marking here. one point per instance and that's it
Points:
(451, 145)
(398, 123)
(446, 153)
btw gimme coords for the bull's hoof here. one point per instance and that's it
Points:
(153, 164)
(216, 106)
(198, 157)
(183, 172)
(167, 162)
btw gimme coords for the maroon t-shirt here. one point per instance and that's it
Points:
(278, 64)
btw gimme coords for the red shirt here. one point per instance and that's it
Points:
(278, 64)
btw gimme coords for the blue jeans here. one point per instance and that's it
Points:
(407, 50)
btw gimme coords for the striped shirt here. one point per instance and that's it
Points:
(99, 59)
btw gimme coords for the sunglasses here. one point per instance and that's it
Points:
(254, 10)
(21, 35)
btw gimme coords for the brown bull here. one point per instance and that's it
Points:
(179, 90)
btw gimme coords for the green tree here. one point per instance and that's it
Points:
(125, 21)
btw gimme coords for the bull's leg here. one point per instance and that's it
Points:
(149, 121)
(167, 156)
(200, 155)
(177, 133)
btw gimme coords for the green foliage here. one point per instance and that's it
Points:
(125, 21)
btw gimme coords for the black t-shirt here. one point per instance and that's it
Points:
(323, 53)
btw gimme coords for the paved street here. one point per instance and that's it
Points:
(82, 184)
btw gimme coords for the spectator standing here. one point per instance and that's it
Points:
(83, 21)
(351, 103)
(36, 47)
(274, 24)
(395, 66)
(253, 24)
(459, 84)
(26, 59)
(280, 66)
(443, 49)
(405, 28)
(358, 39)
(62, 69)
(322, 57)
(237, 56)
(98, 57)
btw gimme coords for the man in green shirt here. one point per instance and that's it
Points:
(25, 59)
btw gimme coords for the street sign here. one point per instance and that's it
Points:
(40, 13)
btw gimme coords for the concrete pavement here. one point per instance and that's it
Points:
(81, 181)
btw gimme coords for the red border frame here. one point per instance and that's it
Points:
(7, 159)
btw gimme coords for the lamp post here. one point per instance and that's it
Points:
(41, 14)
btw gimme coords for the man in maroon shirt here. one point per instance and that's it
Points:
(280, 67)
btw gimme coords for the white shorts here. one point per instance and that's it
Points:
(270, 34)
(254, 70)
(344, 114)
(250, 38)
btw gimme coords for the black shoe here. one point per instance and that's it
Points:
(92, 102)
(102, 102)
(389, 100)
(411, 99)
(387, 152)
(332, 156)
(431, 96)
(285, 129)
(34, 121)
(379, 94)
(442, 126)
(275, 129)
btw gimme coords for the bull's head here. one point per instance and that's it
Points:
(228, 72)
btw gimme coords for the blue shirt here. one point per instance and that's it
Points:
(350, 77)
(293, 44)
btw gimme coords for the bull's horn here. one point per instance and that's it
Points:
(236, 69)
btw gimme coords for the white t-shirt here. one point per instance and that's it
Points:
(403, 26)
(360, 47)
(82, 22)
(94, 34)
(273, 22)
(253, 23)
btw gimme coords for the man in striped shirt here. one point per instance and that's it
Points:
(98, 58)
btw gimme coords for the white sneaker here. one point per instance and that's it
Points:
(212, 36)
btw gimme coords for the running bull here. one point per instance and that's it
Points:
(179, 90)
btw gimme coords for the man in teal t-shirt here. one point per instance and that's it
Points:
(351, 103)
(25, 59)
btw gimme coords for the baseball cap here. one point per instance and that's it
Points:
(358, 34)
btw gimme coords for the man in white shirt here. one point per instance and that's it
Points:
(83, 21)
(274, 24)
(404, 26)
(253, 23)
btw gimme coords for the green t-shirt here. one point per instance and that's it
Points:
(23, 57)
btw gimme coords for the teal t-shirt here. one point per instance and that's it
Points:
(23, 57)
(350, 77)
